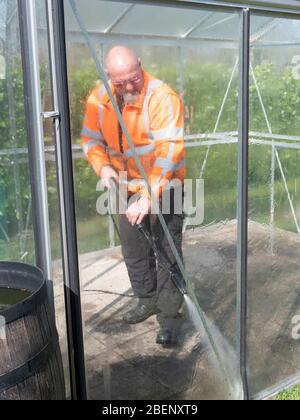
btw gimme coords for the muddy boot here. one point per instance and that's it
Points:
(169, 303)
(145, 308)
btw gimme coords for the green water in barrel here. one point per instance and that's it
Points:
(9, 297)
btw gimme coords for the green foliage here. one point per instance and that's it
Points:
(14, 177)
(292, 394)
(280, 94)
(81, 81)
(205, 87)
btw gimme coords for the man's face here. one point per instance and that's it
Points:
(128, 83)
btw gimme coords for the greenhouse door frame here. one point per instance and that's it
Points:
(61, 117)
(64, 168)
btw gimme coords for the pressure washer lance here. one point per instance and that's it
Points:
(175, 276)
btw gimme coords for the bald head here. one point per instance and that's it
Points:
(125, 71)
(120, 59)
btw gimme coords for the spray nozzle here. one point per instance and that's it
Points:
(179, 282)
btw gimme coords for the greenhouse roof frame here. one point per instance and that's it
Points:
(273, 6)
(286, 9)
(194, 34)
(207, 27)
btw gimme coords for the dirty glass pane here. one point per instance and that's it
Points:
(218, 26)
(273, 349)
(123, 358)
(53, 206)
(16, 235)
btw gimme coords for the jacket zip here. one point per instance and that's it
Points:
(121, 138)
(120, 132)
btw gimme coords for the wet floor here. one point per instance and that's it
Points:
(124, 362)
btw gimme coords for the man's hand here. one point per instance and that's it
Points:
(107, 173)
(138, 210)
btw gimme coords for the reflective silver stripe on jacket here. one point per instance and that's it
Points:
(140, 150)
(113, 152)
(102, 91)
(152, 86)
(89, 144)
(179, 165)
(166, 164)
(95, 135)
(170, 133)
(100, 110)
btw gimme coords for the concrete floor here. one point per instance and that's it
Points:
(123, 361)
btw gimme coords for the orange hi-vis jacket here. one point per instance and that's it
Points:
(155, 123)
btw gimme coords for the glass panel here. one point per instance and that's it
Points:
(271, 32)
(53, 205)
(94, 231)
(16, 235)
(123, 359)
(135, 22)
(273, 207)
(218, 26)
(99, 14)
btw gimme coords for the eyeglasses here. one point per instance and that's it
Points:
(133, 81)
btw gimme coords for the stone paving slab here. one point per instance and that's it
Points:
(124, 362)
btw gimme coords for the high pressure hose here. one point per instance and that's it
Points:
(175, 276)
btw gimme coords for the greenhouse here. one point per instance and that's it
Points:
(65, 284)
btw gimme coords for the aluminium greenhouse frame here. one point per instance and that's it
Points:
(61, 118)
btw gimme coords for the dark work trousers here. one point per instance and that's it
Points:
(147, 276)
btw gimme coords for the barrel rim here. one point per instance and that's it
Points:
(35, 298)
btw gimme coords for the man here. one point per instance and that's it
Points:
(153, 115)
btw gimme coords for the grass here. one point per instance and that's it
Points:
(220, 204)
(92, 235)
(292, 394)
(220, 191)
